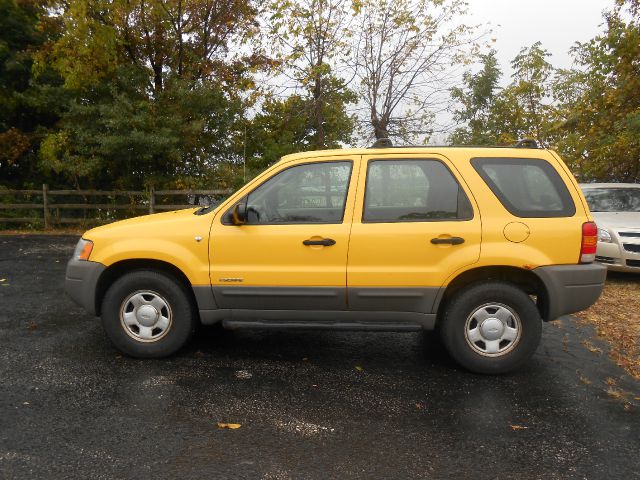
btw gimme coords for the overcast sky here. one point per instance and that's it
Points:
(558, 24)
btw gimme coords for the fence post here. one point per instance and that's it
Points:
(45, 205)
(152, 200)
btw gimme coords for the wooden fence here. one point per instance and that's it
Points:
(45, 208)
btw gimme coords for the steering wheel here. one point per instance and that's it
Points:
(255, 211)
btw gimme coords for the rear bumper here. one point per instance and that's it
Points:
(570, 288)
(80, 282)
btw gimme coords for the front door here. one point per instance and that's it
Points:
(415, 225)
(291, 254)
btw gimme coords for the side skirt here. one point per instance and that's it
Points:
(320, 319)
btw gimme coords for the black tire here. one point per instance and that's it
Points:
(175, 295)
(477, 297)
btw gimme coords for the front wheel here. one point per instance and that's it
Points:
(491, 327)
(148, 314)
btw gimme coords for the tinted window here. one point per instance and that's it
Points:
(526, 187)
(309, 193)
(413, 191)
(613, 199)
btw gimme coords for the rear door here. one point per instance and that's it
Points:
(415, 224)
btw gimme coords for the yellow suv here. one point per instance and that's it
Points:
(481, 244)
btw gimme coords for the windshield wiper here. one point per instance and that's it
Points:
(204, 210)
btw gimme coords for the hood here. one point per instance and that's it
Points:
(155, 222)
(630, 220)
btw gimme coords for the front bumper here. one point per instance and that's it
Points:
(81, 281)
(570, 288)
(618, 255)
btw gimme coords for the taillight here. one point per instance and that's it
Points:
(589, 242)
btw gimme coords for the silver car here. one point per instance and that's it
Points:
(616, 210)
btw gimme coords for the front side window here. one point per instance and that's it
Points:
(308, 193)
(413, 191)
(528, 188)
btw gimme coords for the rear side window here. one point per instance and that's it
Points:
(413, 191)
(529, 188)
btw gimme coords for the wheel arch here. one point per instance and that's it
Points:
(117, 270)
(524, 279)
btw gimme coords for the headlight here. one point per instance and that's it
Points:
(604, 236)
(83, 249)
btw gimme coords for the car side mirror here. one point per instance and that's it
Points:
(239, 213)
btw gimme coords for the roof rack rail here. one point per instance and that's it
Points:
(526, 143)
(382, 143)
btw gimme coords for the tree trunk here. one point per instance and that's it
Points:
(157, 77)
(379, 128)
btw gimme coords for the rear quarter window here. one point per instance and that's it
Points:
(528, 188)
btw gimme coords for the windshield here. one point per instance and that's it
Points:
(613, 199)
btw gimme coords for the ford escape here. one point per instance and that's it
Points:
(480, 244)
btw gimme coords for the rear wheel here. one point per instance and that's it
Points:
(491, 327)
(148, 314)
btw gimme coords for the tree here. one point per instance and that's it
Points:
(119, 138)
(29, 104)
(599, 131)
(403, 60)
(165, 38)
(158, 90)
(312, 42)
(525, 107)
(477, 99)
(285, 126)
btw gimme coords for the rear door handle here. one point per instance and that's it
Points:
(450, 241)
(327, 242)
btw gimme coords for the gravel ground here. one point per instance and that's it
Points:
(310, 405)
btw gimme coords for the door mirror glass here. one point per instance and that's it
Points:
(239, 213)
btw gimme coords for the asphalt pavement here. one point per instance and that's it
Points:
(311, 405)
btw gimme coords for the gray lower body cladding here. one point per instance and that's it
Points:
(81, 281)
(319, 307)
(280, 298)
(571, 288)
(326, 298)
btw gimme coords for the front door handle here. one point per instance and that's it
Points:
(449, 240)
(327, 242)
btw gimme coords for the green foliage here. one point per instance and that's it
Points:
(591, 113)
(287, 126)
(28, 105)
(599, 130)
(155, 96)
(524, 108)
(123, 138)
(120, 94)
(312, 39)
(477, 100)
(164, 38)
